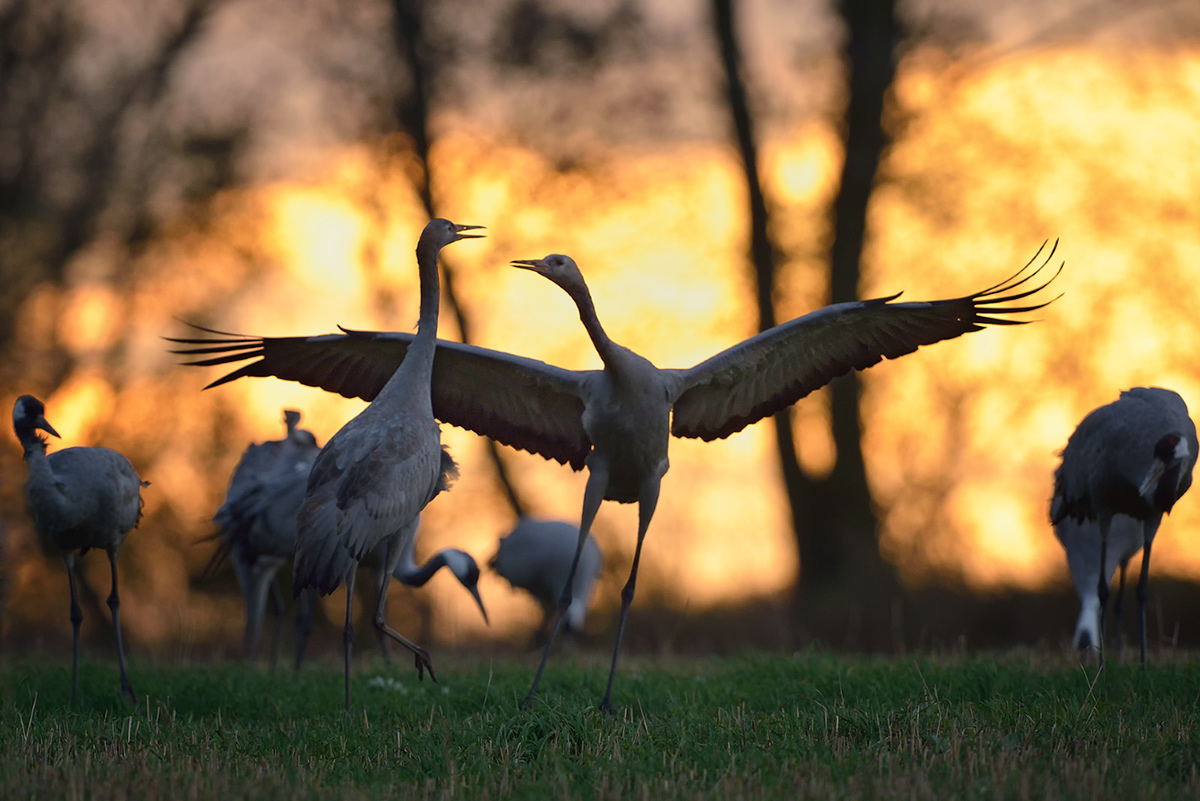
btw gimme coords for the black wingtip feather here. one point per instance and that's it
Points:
(219, 346)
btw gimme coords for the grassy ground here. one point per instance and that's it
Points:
(1016, 725)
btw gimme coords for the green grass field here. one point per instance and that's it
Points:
(1013, 725)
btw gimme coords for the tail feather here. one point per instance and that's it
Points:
(322, 560)
(322, 568)
(448, 472)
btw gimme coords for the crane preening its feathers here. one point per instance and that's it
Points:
(80, 498)
(370, 482)
(618, 421)
(1132, 457)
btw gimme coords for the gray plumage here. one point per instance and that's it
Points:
(536, 557)
(460, 564)
(631, 407)
(1081, 541)
(1133, 457)
(258, 525)
(619, 420)
(257, 522)
(375, 475)
(80, 498)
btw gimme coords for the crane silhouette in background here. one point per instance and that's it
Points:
(1131, 457)
(536, 557)
(618, 421)
(257, 525)
(370, 482)
(258, 530)
(80, 498)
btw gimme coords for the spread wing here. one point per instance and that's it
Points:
(776, 368)
(523, 403)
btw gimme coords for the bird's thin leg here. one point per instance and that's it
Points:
(348, 631)
(76, 619)
(647, 501)
(304, 623)
(593, 495)
(258, 585)
(242, 569)
(381, 602)
(423, 661)
(114, 603)
(1119, 609)
(1149, 528)
(1105, 522)
(279, 606)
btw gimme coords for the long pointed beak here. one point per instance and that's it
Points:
(43, 425)
(1156, 472)
(529, 264)
(458, 229)
(478, 600)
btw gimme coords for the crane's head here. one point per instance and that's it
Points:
(29, 415)
(463, 566)
(1171, 465)
(300, 438)
(560, 269)
(439, 232)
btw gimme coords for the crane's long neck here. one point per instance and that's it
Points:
(591, 322)
(407, 570)
(415, 373)
(41, 485)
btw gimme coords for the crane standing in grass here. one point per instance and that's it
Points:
(372, 479)
(1131, 457)
(618, 421)
(258, 523)
(81, 498)
(536, 557)
(258, 528)
(631, 407)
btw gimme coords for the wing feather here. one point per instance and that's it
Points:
(520, 402)
(771, 371)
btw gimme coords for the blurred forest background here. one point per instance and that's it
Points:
(265, 166)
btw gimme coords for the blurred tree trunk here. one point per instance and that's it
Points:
(412, 117)
(840, 520)
(36, 47)
(833, 517)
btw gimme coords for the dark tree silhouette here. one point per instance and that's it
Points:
(68, 172)
(412, 109)
(36, 43)
(835, 524)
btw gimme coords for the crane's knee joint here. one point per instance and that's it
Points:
(627, 594)
(76, 615)
(114, 602)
